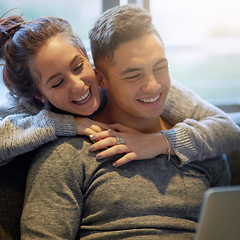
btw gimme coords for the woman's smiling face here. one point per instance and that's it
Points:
(66, 78)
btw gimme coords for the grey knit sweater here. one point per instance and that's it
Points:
(71, 195)
(200, 130)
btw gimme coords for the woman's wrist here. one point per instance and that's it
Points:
(166, 145)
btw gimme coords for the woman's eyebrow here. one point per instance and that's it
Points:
(58, 74)
(74, 59)
(52, 77)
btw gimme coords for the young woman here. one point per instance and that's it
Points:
(27, 122)
(53, 88)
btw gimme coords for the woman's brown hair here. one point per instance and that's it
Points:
(20, 41)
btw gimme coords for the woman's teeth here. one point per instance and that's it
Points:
(150, 100)
(83, 98)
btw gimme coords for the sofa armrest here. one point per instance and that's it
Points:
(234, 163)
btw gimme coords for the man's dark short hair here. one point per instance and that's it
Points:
(116, 26)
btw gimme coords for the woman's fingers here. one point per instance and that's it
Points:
(136, 146)
(112, 151)
(125, 159)
(88, 132)
(101, 126)
(86, 126)
(128, 157)
(103, 134)
(120, 128)
(103, 143)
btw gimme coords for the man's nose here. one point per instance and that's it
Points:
(151, 84)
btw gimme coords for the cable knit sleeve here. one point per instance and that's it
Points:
(200, 130)
(22, 132)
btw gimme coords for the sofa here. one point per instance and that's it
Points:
(12, 186)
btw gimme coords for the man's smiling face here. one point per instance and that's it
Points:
(138, 81)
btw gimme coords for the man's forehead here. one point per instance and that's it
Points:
(146, 42)
(141, 53)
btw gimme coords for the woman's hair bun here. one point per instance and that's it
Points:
(8, 27)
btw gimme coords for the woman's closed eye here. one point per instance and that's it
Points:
(76, 70)
(79, 67)
(58, 84)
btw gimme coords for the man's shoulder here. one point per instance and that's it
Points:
(65, 148)
(64, 155)
(76, 141)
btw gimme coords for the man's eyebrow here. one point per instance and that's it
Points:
(129, 70)
(161, 60)
(58, 74)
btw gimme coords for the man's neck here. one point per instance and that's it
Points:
(145, 125)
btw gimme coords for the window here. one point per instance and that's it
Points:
(202, 37)
(202, 40)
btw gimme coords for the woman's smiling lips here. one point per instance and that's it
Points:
(84, 98)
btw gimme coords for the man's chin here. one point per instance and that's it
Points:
(150, 113)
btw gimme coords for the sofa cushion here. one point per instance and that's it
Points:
(12, 188)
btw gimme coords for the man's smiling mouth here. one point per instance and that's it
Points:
(149, 100)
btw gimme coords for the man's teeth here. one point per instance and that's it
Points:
(150, 100)
(83, 98)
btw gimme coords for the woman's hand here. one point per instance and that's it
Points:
(86, 126)
(137, 146)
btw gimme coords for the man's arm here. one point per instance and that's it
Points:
(53, 199)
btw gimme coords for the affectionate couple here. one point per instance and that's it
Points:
(147, 117)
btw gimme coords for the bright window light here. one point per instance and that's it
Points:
(202, 40)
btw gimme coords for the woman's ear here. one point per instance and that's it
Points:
(102, 81)
(41, 99)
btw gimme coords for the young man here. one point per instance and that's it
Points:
(70, 195)
(125, 68)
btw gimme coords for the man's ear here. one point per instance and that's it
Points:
(102, 81)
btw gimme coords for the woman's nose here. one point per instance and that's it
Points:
(76, 84)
